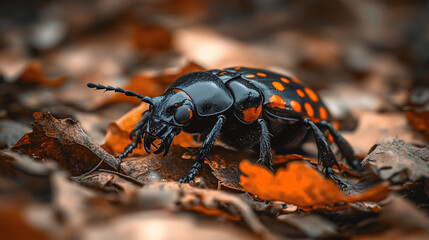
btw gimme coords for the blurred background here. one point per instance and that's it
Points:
(361, 55)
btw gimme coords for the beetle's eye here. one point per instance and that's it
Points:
(183, 114)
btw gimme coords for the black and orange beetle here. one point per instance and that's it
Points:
(244, 107)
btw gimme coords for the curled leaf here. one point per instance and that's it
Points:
(64, 141)
(301, 185)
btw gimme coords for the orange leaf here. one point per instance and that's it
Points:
(301, 185)
(33, 74)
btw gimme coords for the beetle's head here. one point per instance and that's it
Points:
(167, 115)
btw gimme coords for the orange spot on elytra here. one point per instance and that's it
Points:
(237, 68)
(323, 113)
(296, 80)
(222, 73)
(295, 106)
(309, 109)
(285, 80)
(250, 76)
(277, 102)
(261, 74)
(300, 93)
(279, 86)
(312, 95)
(251, 114)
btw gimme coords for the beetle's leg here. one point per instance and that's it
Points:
(130, 147)
(265, 157)
(344, 147)
(324, 152)
(205, 148)
(139, 125)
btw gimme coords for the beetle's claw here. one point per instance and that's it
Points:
(186, 179)
(265, 163)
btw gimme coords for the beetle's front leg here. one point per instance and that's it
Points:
(204, 150)
(265, 157)
(139, 125)
(137, 133)
(129, 149)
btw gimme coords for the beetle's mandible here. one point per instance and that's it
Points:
(246, 108)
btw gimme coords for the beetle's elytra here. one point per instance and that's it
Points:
(247, 108)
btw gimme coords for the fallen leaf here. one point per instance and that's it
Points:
(105, 181)
(419, 120)
(171, 167)
(161, 224)
(397, 161)
(211, 199)
(33, 74)
(72, 200)
(312, 226)
(301, 185)
(398, 209)
(65, 142)
(376, 126)
(225, 163)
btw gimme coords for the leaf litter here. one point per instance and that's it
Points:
(59, 183)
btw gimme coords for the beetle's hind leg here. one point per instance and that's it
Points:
(324, 152)
(265, 157)
(204, 150)
(344, 147)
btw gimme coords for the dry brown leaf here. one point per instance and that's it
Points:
(397, 161)
(170, 167)
(161, 224)
(65, 142)
(312, 226)
(225, 163)
(301, 185)
(398, 209)
(373, 127)
(33, 74)
(419, 120)
(212, 199)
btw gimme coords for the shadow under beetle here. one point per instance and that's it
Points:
(246, 108)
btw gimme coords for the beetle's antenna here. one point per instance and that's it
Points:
(120, 90)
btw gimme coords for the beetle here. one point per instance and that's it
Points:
(247, 108)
